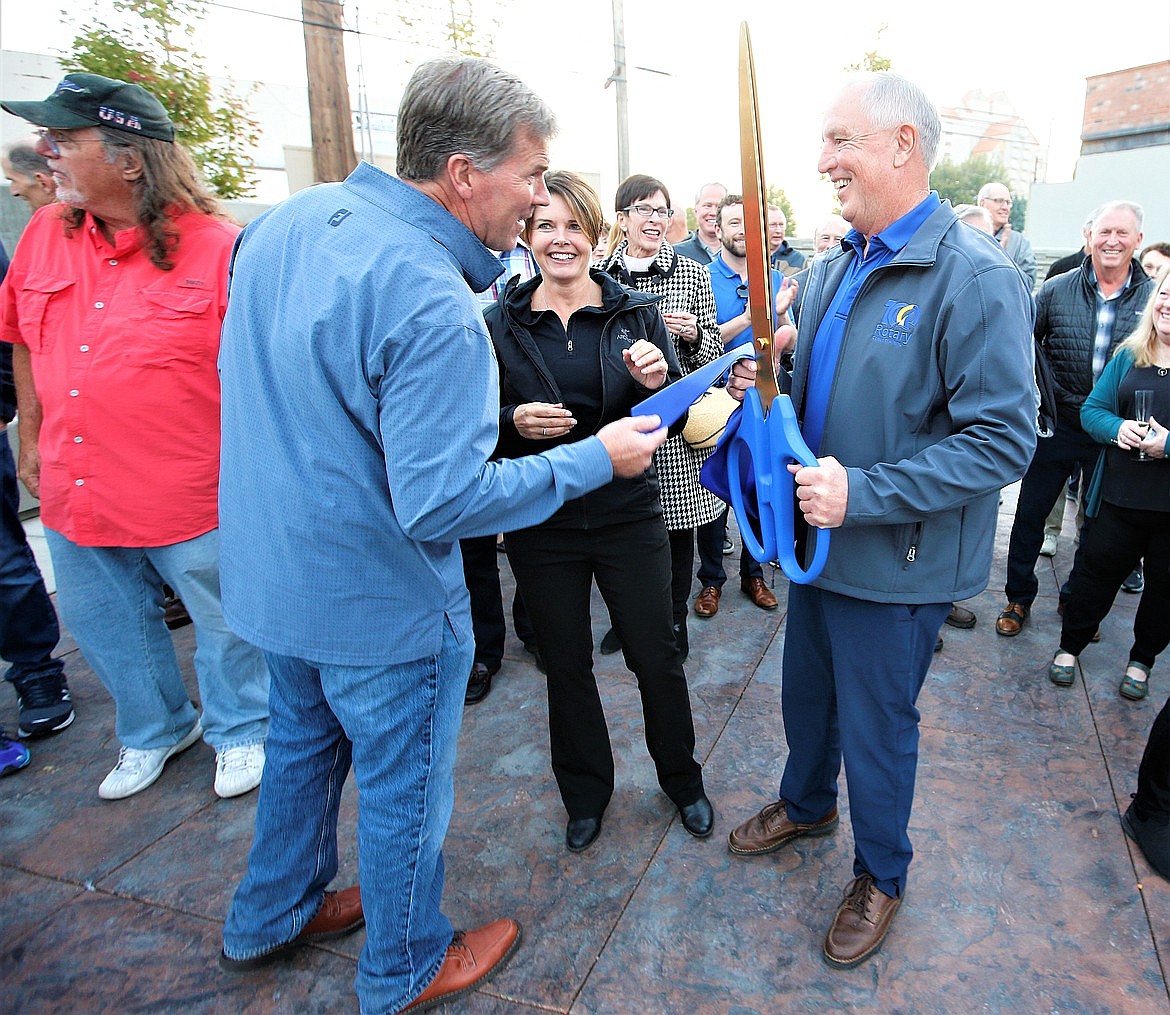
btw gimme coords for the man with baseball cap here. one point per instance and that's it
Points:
(113, 306)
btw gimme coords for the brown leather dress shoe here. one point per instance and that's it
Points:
(863, 919)
(771, 829)
(756, 589)
(1011, 622)
(707, 601)
(340, 914)
(961, 617)
(472, 958)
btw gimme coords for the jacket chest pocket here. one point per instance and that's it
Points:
(175, 329)
(42, 310)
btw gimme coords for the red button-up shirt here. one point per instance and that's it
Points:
(124, 362)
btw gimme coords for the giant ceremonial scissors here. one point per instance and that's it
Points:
(768, 433)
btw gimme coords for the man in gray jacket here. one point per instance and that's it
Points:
(913, 382)
(997, 199)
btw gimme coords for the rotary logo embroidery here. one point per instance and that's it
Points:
(898, 323)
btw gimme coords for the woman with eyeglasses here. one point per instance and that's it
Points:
(576, 349)
(645, 261)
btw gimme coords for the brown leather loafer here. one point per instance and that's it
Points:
(771, 829)
(756, 589)
(707, 601)
(862, 922)
(1011, 622)
(472, 958)
(340, 914)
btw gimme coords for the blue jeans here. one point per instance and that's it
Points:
(852, 673)
(399, 725)
(111, 600)
(28, 624)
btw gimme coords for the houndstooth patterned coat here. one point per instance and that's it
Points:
(685, 286)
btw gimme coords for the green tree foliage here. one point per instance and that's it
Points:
(959, 182)
(149, 49)
(467, 30)
(1019, 213)
(873, 60)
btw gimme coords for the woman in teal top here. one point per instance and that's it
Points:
(1128, 502)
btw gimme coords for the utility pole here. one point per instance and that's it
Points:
(618, 79)
(330, 118)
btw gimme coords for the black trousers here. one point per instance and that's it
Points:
(1112, 544)
(481, 572)
(1152, 799)
(1045, 480)
(555, 570)
(709, 538)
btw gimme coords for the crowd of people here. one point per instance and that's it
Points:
(162, 424)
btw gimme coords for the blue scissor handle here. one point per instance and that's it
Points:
(771, 442)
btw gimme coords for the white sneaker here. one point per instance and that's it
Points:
(238, 769)
(1048, 547)
(138, 769)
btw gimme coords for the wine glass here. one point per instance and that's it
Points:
(1143, 409)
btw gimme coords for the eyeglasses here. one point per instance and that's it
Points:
(647, 212)
(741, 291)
(999, 200)
(53, 140)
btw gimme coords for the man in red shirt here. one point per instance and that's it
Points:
(113, 304)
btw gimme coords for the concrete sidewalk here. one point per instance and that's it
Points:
(1024, 895)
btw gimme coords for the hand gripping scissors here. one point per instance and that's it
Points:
(768, 433)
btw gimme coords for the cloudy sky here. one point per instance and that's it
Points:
(683, 125)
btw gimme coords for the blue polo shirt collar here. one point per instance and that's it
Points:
(899, 232)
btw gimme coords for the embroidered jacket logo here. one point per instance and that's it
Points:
(898, 323)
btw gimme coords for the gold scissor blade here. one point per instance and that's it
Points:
(755, 217)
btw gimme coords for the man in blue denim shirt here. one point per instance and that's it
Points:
(360, 405)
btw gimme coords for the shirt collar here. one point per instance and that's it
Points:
(1093, 279)
(479, 265)
(899, 232)
(723, 267)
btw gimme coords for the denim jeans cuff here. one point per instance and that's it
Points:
(247, 742)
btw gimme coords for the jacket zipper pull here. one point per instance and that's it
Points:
(568, 345)
(912, 553)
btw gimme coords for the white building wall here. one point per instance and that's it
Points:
(1057, 210)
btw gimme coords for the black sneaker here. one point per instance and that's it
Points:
(45, 705)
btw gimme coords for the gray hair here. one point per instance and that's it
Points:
(464, 106)
(26, 160)
(1131, 206)
(704, 186)
(891, 100)
(985, 190)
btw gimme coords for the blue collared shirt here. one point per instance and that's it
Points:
(883, 248)
(360, 405)
(727, 285)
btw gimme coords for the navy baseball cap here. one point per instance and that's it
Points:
(90, 100)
